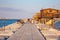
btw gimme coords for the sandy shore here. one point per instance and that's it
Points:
(48, 32)
(51, 34)
(8, 30)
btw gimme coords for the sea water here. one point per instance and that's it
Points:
(6, 22)
(57, 25)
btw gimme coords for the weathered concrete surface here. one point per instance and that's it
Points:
(27, 32)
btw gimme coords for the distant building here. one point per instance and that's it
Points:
(47, 16)
(50, 13)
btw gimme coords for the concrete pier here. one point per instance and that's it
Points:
(27, 32)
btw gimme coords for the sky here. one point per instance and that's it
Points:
(16, 9)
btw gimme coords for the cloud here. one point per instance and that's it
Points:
(13, 13)
(11, 9)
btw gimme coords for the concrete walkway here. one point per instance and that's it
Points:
(27, 32)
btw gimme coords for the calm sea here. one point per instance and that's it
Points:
(57, 25)
(6, 22)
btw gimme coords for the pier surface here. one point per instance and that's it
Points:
(27, 32)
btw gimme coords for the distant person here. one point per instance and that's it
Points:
(29, 20)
